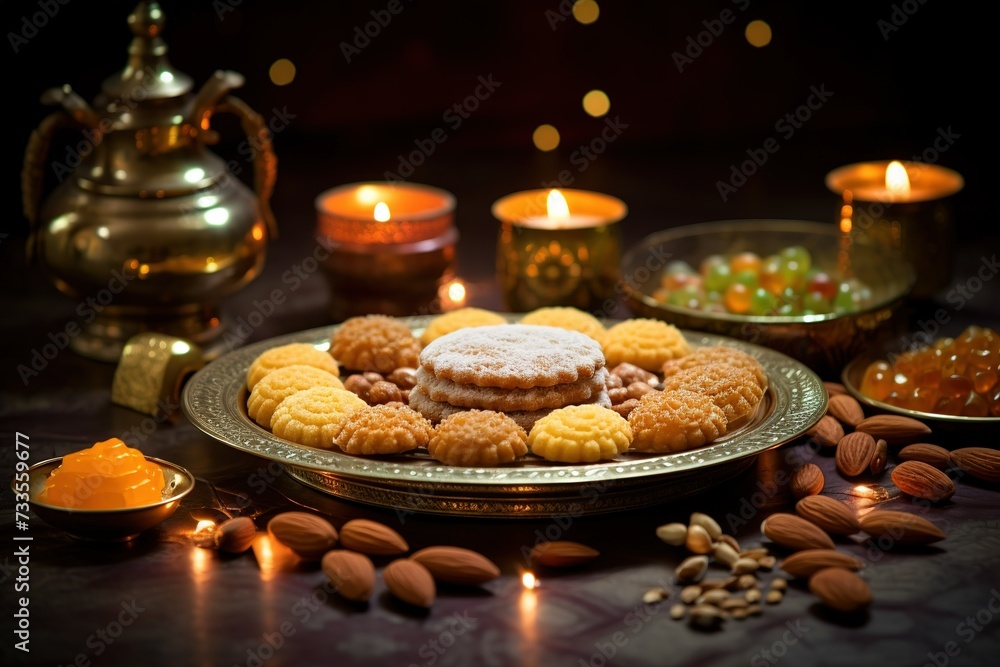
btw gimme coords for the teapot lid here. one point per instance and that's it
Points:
(148, 74)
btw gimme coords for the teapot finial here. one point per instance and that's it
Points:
(148, 74)
(146, 20)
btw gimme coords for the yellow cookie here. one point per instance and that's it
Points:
(478, 438)
(644, 342)
(279, 384)
(567, 318)
(289, 355)
(390, 428)
(314, 417)
(675, 421)
(459, 319)
(580, 434)
(733, 389)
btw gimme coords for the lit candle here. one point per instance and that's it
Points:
(559, 248)
(390, 247)
(903, 206)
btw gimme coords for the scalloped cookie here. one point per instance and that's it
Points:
(580, 434)
(645, 343)
(374, 343)
(733, 389)
(390, 428)
(478, 438)
(459, 319)
(717, 354)
(675, 421)
(567, 317)
(289, 355)
(314, 417)
(281, 383)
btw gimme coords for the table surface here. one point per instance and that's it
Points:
(161, 600)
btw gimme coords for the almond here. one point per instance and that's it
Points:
(562, 554)
(372, 538)
(455, 565)
(352, 574)
(854, 453)
(308, 535)
(939, 457)
(980, 462)
(894, 429)
(235, 535)
(841, 590)
(880, 458)
(827, 431)
(846, 409)
(829, 514)
(835, 388)
(902, 527)
(794, 532)
(410, 581)
(922, 480)
(806, 480)
(808, 562)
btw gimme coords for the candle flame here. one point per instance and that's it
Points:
(382, 212)
(529, 581)
(558, 209)
(897, 181)
(456, 291)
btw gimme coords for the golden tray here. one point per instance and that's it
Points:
(214, 400)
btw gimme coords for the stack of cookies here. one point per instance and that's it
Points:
(525, 371)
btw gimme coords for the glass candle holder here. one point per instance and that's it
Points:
(390, 247)
(559, 248)
(903, 206)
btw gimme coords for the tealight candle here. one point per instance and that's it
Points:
(903, 206)
(390, 246)
(559, 248)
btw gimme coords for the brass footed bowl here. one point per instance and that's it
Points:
(109, 524)
(825, 343)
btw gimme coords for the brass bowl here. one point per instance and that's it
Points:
(825, 342)
(109, 524)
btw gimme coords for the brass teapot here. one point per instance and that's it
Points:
(148, 229)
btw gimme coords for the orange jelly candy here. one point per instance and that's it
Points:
(109, 475)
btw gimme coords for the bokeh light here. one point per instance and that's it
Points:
(282, 72)
(586, 11)
(546, 137)
(758, 33)
(596, 103)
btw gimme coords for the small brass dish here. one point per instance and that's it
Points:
(117, 525)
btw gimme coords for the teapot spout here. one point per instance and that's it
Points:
(75, 105)
(220, 83)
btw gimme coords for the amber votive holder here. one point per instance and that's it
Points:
(543, 262)
(393, 266)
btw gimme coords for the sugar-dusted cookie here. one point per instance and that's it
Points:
(717, 354)
(506, 400)
(289, 355)
(580, 434)
(390, 428)
(279, 384)
(436, 411)
(478, 438)
(644, 342)
(459, 319)
(733, 389)
(566, 317)
(374, 343)
(314, 417)
(513, 356)
(675, 421)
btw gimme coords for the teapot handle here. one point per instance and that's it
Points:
(265, 162)
(33, 171)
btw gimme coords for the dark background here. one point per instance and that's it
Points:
(890, 97)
